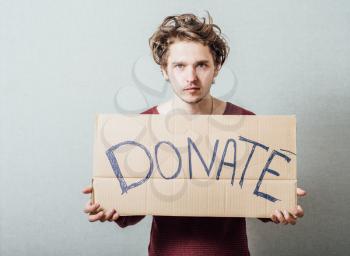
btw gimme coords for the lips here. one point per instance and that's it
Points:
(191, 88)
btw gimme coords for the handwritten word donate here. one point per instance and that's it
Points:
(192, 150)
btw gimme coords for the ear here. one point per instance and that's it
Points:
(217, 69)
(164, 73)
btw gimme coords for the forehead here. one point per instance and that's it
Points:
(188, 51)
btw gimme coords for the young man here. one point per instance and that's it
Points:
(190, 53)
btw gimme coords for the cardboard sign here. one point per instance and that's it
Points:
(195, 165)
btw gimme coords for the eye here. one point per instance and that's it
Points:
(202, 65)
(179, 66)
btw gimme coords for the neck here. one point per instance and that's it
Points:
(204, 107)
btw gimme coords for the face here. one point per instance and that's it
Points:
(190, 70)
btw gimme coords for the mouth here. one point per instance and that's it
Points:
(192, 88)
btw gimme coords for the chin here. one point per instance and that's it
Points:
(192, 100)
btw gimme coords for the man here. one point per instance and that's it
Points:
(190, 53)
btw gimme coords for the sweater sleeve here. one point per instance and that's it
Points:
(124, 221)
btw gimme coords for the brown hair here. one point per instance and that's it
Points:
(188, 27)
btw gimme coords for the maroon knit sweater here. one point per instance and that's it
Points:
(189, 236)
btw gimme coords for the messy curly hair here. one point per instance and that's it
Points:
(188, 27)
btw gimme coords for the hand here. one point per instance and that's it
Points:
(91, 209)
(289, 217)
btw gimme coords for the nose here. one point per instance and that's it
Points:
(191, 75)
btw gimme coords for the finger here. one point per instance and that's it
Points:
(294, 212)
(87, 190)
(89, 208)
(274, 219)
(301, 192)
(115, 216)
(300, 212)
(289, 217)
(95, 217)
(109, 215)
(280, 217)
(103, 217)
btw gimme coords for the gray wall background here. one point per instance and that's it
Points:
(63, 61)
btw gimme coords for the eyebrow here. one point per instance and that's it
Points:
(196, 63)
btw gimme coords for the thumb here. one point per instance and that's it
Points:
(301, 192)
(87, 190)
